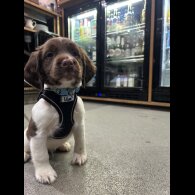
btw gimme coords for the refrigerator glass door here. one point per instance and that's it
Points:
(83, 30)
(125, 39)
(165, 50)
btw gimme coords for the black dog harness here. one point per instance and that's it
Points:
(64, 101)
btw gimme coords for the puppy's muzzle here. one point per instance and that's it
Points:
(68, 62)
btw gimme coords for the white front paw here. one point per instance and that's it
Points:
(79, 159)
(45, 175)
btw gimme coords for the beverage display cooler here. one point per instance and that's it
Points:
(82, 29)
(126, 57)
(116, 36)
(161, 78)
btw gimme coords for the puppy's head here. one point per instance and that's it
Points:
(59, 62)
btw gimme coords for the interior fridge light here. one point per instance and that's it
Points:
(118, 5)
(87, 14)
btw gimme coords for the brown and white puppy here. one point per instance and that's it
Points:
(58, 63)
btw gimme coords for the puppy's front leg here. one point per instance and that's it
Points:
(44, 173)
(26, 146)
(80, 154)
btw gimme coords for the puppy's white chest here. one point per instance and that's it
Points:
(46, 117)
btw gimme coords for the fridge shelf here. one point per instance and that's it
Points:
(138, 57)
(87, 39)
(127, 29)
(122, 87)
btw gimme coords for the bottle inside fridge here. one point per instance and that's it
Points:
(125, 36)
(143, 15)
(125, 20)
(118, 76)
(165, 55)
(83, 30)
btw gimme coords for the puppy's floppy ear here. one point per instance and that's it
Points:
(31, 71)
(89, 69)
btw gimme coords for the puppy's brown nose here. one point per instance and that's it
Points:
(68, 62)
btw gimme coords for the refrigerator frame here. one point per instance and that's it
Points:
(129, 93)
(75, 11)
(159, 93)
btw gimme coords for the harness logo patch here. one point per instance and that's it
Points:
(67, 98)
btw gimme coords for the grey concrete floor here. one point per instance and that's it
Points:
(128, 153)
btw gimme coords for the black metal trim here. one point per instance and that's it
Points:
(82, 8)
(141, 93)
(161, 94)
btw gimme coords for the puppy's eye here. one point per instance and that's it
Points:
(49, 54)
(75, 53)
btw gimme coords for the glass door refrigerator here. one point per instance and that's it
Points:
(82, 26)
(161, 69)
(115, 35)
(125, 71)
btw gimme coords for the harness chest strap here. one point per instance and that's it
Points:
(64, 102)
